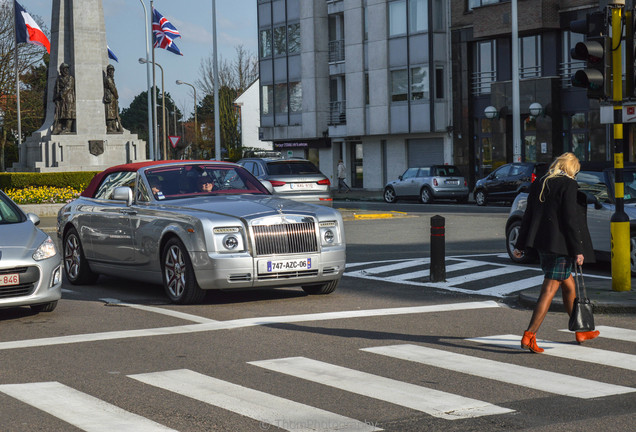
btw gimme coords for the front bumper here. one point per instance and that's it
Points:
(240, 271)
(42, 292)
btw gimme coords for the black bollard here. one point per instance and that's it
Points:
(438, 249)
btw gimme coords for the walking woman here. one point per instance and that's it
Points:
(554, 224)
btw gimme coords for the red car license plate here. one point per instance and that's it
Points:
(9, 279)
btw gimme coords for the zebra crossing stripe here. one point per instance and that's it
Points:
(263, 407)
(615, 333)
(79, 409)
(550, 382)
(566, 350)
(434, 402)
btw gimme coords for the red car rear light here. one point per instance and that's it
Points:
(465, 183)
(324, 182)
(533, 177)
(277, 183)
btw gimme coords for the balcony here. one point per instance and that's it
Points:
(337, 113)
(482, 81)
(336, 51)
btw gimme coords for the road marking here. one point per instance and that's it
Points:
(616, 333)
(257, 405)
(434, 402)
(79, 409)
(566, 350)
(162, 311)
(240, 323)
(538, 379)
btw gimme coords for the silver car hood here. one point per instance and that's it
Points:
(19, 240)
(248, 206)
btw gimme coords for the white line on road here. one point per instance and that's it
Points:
(239, 323)
(257, 405)
(547, 381)
(568, 351)
(79, 409)
(162, 311)
(434, 402)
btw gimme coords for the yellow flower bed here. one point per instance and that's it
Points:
(43, 194)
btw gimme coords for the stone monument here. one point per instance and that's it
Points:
(82, 130)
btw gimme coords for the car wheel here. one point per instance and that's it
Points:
(426, 196)
(326, 288)
(178, 275)
(75, 265)
(632, 253)
(389, 195)
(480, 197)
(511, 238)
(46, 307)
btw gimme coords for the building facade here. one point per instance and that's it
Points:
(248, 104)
(366, 81)
(482, 78)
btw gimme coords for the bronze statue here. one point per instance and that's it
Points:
(64, 99)
(113, 121)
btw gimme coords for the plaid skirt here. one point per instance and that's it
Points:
(556, 267)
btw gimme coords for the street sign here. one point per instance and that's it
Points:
(607, 114)
(174, 140)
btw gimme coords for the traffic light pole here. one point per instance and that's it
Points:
(619, 224)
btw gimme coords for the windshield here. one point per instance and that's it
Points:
(185, 181)
(9, 214)
(593, 182)
(629, 177)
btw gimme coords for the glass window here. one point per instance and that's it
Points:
(439, 16)
(485, 66)
(399, 85)
(280, 98)
(9, 213)
(409, 173)
(502, 172)
(366, 88)
(419, 83)
(578, 121)
(266, 43)
(365, 16)
(418, 16)
(593, 182)
(113, 180)
(439, 82)
(267, 98)
(293, 38)
(530, 56)
(295, 97)
(280, 40)
(397, 18)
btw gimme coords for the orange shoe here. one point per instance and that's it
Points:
(529, 341)
(588, 335)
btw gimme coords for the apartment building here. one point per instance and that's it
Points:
(564, 118)
(366, 81)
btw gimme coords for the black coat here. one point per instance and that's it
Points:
(557, 225)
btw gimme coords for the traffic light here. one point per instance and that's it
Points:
(596, 52)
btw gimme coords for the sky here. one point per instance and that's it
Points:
(125, 27)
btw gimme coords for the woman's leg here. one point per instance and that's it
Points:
(568, 292)
(548, 290)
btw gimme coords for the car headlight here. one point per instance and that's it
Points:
(45, 250)
(329, 234)
(229, 239)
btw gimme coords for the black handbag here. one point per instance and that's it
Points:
(582, 318)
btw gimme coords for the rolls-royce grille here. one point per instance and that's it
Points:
(285, 238)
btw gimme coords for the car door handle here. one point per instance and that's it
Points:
(128, 212)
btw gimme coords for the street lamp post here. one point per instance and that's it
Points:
(163, 106)
(196, 128)
(217, 87)
(148, 78)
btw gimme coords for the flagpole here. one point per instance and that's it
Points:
(17, 86)
(217, 123)
(154, 93)
(151, 150)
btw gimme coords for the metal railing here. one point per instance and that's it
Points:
(337, 112)
(482, 81)
(336, 51)
(567, 69)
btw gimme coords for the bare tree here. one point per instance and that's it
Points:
(237, 74)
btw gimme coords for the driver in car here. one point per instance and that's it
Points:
(205, 184)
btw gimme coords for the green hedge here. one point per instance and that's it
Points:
(20, 180)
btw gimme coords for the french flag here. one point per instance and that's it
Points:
(27, 30)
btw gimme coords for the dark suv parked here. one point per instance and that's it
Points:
(505, 183)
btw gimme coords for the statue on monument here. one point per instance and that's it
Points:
(111, 100)
(64, 99)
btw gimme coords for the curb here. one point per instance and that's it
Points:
(42, 210)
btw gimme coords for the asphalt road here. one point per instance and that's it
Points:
(380, 352)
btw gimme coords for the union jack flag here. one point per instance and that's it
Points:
(163, 33)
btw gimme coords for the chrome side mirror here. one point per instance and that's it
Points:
(268, 186)
(123, 193)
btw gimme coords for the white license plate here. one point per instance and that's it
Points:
(9, 279)
(453, 182)
(301, 185)
(288, 265)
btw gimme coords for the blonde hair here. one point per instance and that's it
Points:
(567, 164)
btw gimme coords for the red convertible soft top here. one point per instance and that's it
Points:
(96, 181)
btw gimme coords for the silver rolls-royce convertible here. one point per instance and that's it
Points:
(198, 225)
